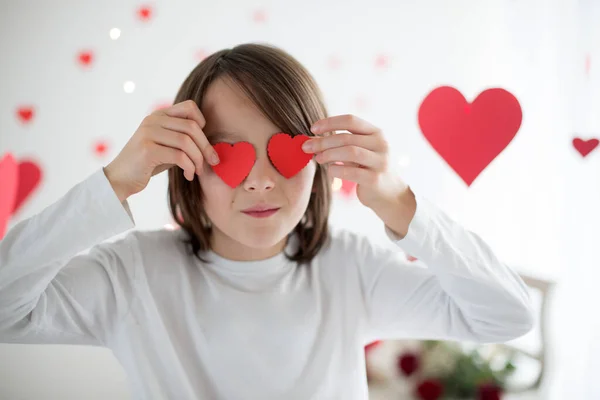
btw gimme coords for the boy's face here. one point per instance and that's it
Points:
(237, 235)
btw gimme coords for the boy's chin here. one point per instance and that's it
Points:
(262, 239)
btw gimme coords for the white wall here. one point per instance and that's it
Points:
(536, 204)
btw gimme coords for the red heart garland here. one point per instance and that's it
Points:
(286, 154)
(585, 147)
(9, 176)
(30, 176)
(469, 136)
(235, 162)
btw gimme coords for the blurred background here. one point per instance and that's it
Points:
(77, 78)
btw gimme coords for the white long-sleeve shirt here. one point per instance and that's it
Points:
(264, 329)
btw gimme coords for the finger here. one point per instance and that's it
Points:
(172, 156)
(172, 137)
(189, 110)
(348, 122)
(318, 144)
(361, 176)
(352, 154)
(186, 109)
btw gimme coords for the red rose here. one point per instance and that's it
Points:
(489, 391)
(430, 389)
(408, 363)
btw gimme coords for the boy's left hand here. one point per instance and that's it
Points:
(365, 154)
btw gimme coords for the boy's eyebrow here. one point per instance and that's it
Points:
(219, 135)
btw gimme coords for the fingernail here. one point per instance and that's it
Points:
(314, 128)
(214, 158)
(307, 146)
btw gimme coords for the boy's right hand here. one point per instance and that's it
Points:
(165, 138)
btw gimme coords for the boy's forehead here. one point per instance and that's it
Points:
(231, 116)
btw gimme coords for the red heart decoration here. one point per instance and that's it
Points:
(30, 176)
(235, 162)
(144, 13)
(469, 136)
(260, 16)
(25, 113)
(585, 147)
(9, 176)
(85, 58)
(286, 154)
(100, 148)
(348, 188)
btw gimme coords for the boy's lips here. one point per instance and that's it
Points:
(261, 210)
(261, 207)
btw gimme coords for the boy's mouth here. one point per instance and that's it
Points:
(261, 210)
(261, 214)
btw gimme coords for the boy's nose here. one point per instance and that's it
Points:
(261, 177)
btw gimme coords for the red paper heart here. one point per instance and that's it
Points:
(236, 161)
(585, 147)
(25, 113)
(30, 176)
(469, 136)
(9, 177)
(286, 154)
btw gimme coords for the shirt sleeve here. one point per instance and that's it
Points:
(51, 294)
(459, 289)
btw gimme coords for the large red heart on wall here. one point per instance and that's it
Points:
(286, 154)
(235, 161)
(9, 178)
(30, 176)
(469, 136)
(19, 180)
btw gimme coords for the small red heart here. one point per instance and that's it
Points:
(236, 161)
(201, 54)
(85, 58)
(382, 61)
(144, 13)
(585, 147)
(286, 154)
(30, 176)
(469, 136)
(260, 16)
(348, 187)
(9, 176)
(25, 113)
(100, 148)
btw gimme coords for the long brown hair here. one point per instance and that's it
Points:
(289, 97)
